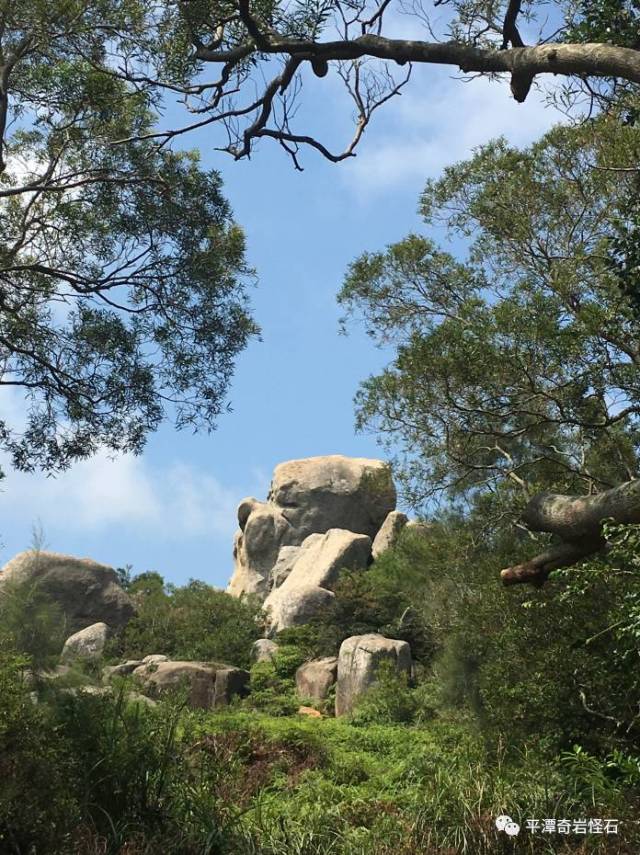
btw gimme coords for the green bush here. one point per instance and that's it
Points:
(388, 701)
(32, 623)
(195, 621)
(38, 809)
(272, 684)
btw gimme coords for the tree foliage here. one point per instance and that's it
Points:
(194, 621)
(515, 368)
(240, 67)
(122, 273)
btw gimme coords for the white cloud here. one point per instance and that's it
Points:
(165, 501)
(125, 494)
(422, 133)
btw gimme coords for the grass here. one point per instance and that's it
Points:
(326, 786)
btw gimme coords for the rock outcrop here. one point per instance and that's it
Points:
(86, 645)
(320, 493)
(389, 533)
(87, 592)
(306, 497)
(359, 660)
(295, 606)
(309, 582)
(209, 684)
(263, 650)
(314, 679)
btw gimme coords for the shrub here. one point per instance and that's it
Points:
(389, 700)
(32, 623)
(272, 684)
(195, 621)
(38, 809)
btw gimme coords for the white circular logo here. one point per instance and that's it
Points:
(502, 821)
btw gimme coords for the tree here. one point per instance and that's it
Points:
(194, 621)
(516, 368)
(122, 274)
(171, 47)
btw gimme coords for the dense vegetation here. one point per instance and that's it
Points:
(522, 704)
(515, 371)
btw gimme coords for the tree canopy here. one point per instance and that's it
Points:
(241, 66)
(516, 368)
(122, 273)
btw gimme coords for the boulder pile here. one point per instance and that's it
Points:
(322, 515)
(307, 497)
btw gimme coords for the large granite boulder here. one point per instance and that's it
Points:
(263, 650)
(288, 607)
(315, 678)
(200, 679)
(389, 533)
(256, 547)
(306, 497)
(230, 683)
(320, 493)
(359, 660)
(316, 569)
(287, 557)
(87, 592)
(86, 645)
(323, 556)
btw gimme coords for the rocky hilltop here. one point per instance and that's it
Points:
(322, 515)
(306, 497)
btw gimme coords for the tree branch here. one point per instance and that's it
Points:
(594, 59)
(577, 521)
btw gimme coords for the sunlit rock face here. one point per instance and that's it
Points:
(306, 497)
(86, 592)
(310, 582)
(359, 662)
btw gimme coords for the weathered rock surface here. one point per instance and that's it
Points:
(87, 644)
(200, 678)
(86, 591)
(230, 683)
(359, 660)
(123, 669)
(309, 583)
(320, 493)
(295, 606)
(287, 557)
(323, 556)
(389, 533)
(263, 650)
(158, 678)
(315, 678)
(306, 497)
(155, 657)
(256, 547)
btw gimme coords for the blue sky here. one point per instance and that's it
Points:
(173, 509)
